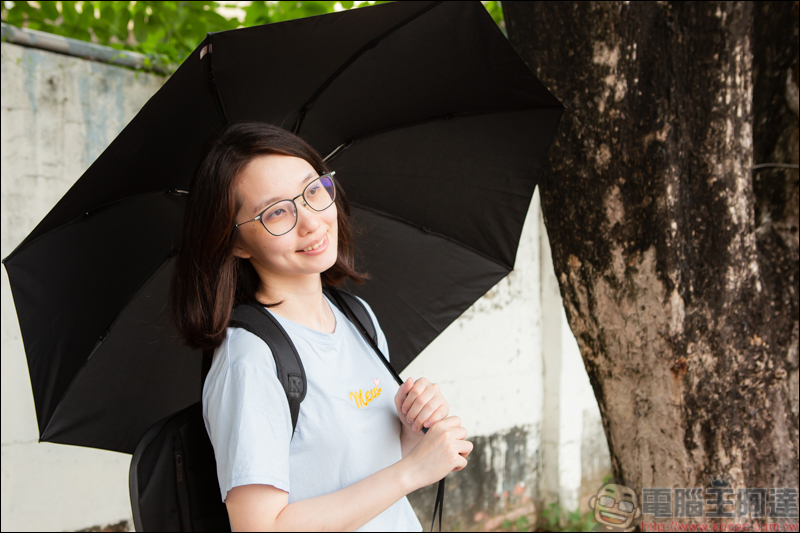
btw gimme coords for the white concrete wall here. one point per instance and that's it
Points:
(489, 365)
(510, 361)
(575, 455)
(58, 114)
(488, 361)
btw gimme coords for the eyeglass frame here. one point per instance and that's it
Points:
(628, 507)
(305, 203)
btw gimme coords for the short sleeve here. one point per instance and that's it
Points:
(382, 344)
(247, 414)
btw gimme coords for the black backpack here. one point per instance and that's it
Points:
(173, 475)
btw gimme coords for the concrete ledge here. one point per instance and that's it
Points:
(83, 49)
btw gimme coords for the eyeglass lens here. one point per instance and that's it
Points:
(607, 501)
(281, 217)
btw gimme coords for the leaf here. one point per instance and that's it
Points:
(49, 10)
(139, 27)
(15, 15)
(101, 30)
(69, 13)
(257, 13)
(121, 22)
(314, 8)
(86, 19)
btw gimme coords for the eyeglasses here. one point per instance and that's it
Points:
(281, 217)
(608, 501)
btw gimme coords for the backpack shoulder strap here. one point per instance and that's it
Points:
(353, 309)
(258, 321)
(355, 305)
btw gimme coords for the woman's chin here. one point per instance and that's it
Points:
(320, 263)
(331, 260)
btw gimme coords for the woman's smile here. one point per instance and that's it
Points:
(317, 247)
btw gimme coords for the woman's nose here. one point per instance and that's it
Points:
(307, 219)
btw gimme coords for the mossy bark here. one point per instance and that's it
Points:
(677, 262)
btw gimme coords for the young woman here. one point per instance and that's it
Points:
(266, 220)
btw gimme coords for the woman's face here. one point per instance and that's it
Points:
(269, 179)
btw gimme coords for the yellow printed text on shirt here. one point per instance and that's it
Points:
(361, 399)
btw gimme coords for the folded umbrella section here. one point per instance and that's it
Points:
(437, 131)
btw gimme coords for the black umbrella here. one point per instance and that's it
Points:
(437, 131)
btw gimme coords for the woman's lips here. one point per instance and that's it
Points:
(322, 247)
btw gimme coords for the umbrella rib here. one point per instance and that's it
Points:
(374, 42)
(447, 116)
(212, 80)
(92, 211)
(430, 232)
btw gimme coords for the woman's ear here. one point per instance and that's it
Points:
(239, 251)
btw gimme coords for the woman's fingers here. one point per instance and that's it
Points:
(459, 432)
(465, 447)
(420, 404)
(427, 398)
(432, 413)
(420, 386)
(448, 423)
(402, 393)
(424, 415)
(440, 413)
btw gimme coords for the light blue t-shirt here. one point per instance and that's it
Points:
(347, 428)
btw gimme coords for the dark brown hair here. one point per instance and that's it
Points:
(208, 280)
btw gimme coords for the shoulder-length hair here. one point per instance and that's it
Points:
(209, 280)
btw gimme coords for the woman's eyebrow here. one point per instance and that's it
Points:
(270, 201)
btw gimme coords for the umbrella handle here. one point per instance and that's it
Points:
(438, 505)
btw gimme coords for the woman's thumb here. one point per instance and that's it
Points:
(402, 392)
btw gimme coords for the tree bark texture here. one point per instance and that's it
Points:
(677, 262)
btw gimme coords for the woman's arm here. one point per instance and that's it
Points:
(408, 439)
(265, 508)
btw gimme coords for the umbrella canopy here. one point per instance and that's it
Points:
(437, 131)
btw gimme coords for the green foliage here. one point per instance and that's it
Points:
(574, 520)
(166, 32)
(496, 11)
(267, 12)
(520, 524)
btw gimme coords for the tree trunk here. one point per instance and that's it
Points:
(678, 268)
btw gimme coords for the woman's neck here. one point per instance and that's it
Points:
(302, 302)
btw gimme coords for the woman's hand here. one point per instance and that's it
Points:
(420, 404)
(443, 449)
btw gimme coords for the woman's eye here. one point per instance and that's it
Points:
(276, 214)
(313, 190)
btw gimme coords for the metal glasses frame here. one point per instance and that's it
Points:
(296, 210)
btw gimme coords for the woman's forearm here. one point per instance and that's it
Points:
(350, 508)
(408, 439)
(263, 507)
